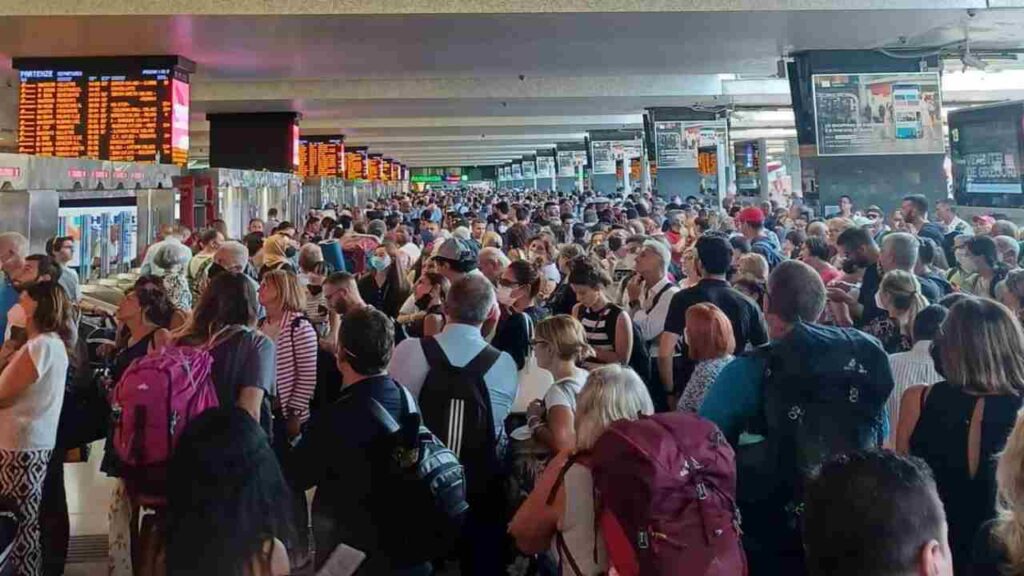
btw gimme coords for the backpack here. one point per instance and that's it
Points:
(152, 404)
(425, 486)
(767, 249)
(665, 490)
(818, 400)
(639, 354)
(456, 404)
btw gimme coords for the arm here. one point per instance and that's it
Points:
(432, 325)
(623, 338)
(305, 347)
(16, 378)
(557, 432)
(735, 396)
(250, 399)
(910, 412)
(666, 347)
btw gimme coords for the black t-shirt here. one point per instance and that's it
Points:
(930, 289)
(868, 288)
(513, 336)
(748, 324)
(933, 231)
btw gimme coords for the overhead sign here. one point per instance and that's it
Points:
(529, 169)
(322, 156)
(121, 109)
(606, 152)
(545, 167)
(517, 171)
(373, 163)
(869, 114)
(677, 143)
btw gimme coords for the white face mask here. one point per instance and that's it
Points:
(966, 262)
(505, 295)
(878, 300)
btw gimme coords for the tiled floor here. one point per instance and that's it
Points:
(88, 494)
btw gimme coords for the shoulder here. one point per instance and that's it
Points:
(504, 364)
(742, 368)
(408, 346)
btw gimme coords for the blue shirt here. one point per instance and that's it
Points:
(8, 298)
(461, 343)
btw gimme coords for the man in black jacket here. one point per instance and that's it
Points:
(339, 452)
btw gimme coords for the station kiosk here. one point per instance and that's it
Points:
(237, 196)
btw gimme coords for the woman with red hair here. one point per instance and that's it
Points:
(711, 343)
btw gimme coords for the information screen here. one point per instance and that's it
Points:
(132, 116)
(374, 166)
(322, 157)
(356, 164)
(987, 157)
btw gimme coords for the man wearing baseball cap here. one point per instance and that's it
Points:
(751, 225)
(456, 258)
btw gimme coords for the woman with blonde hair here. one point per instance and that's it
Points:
(900, 295)
(612, 393)
(293, 335)
(559, 343)
(999, 548)
(959, 425)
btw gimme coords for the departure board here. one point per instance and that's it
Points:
(356, 164)
(121, 109)
(374, 164)
(322, 156)
(385, 169)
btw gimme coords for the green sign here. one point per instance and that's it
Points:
(427, 178)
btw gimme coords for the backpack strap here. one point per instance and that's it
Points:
(657, 297)
(483, 361)
(435, 355)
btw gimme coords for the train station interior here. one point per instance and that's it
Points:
(120, 118)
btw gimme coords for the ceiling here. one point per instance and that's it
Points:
(483, 88)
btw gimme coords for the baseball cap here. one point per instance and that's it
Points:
(457, 250)
(750, 215)
(984, 219)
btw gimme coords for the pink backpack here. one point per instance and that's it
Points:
(666, 489)
(155, 399)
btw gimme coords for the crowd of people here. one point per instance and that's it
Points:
(862, 375)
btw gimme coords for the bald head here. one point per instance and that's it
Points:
(232, 256)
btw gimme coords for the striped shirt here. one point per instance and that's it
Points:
(296, 364)
(909, 369)
(600, 329)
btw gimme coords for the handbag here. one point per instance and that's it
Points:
(534, 381)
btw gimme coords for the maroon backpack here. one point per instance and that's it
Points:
(666, 487)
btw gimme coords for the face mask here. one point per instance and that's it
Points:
(966, 262)
(878, 300)
(427, 236)
(380, 263)
(505, 295)
(502, 229)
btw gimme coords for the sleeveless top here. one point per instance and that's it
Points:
(600, 329)
(941, 439)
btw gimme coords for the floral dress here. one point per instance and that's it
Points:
(703, 377)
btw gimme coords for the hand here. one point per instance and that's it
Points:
(841, 296)
(293, 425)
(634, 286)
(535, 410)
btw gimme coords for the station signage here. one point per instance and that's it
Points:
(121, 109)
(322, 156)
(677, 144)
(871, 114)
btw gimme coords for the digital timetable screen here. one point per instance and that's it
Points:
(322, 157)
(86, 108)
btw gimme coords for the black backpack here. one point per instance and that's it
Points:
(639, 355)
(819, 399)
(456, 405)
(426, 487)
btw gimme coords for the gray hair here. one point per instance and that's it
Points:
(663, 253)
(17, 243)
(612, 393)
(234, 255)
(903, 249)
(1006, 244)
(461, 232)
(377, 228)
(469, 300)
(490, 254)
(172, 256)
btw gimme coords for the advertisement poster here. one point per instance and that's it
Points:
(866, 114)
(122, 232)
(566, 164)
(604, 158)
(529, 169)
(517, 171)
(678, 143)
(545, 167)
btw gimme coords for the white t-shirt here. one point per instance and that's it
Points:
(30, 423)
(565, 391)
